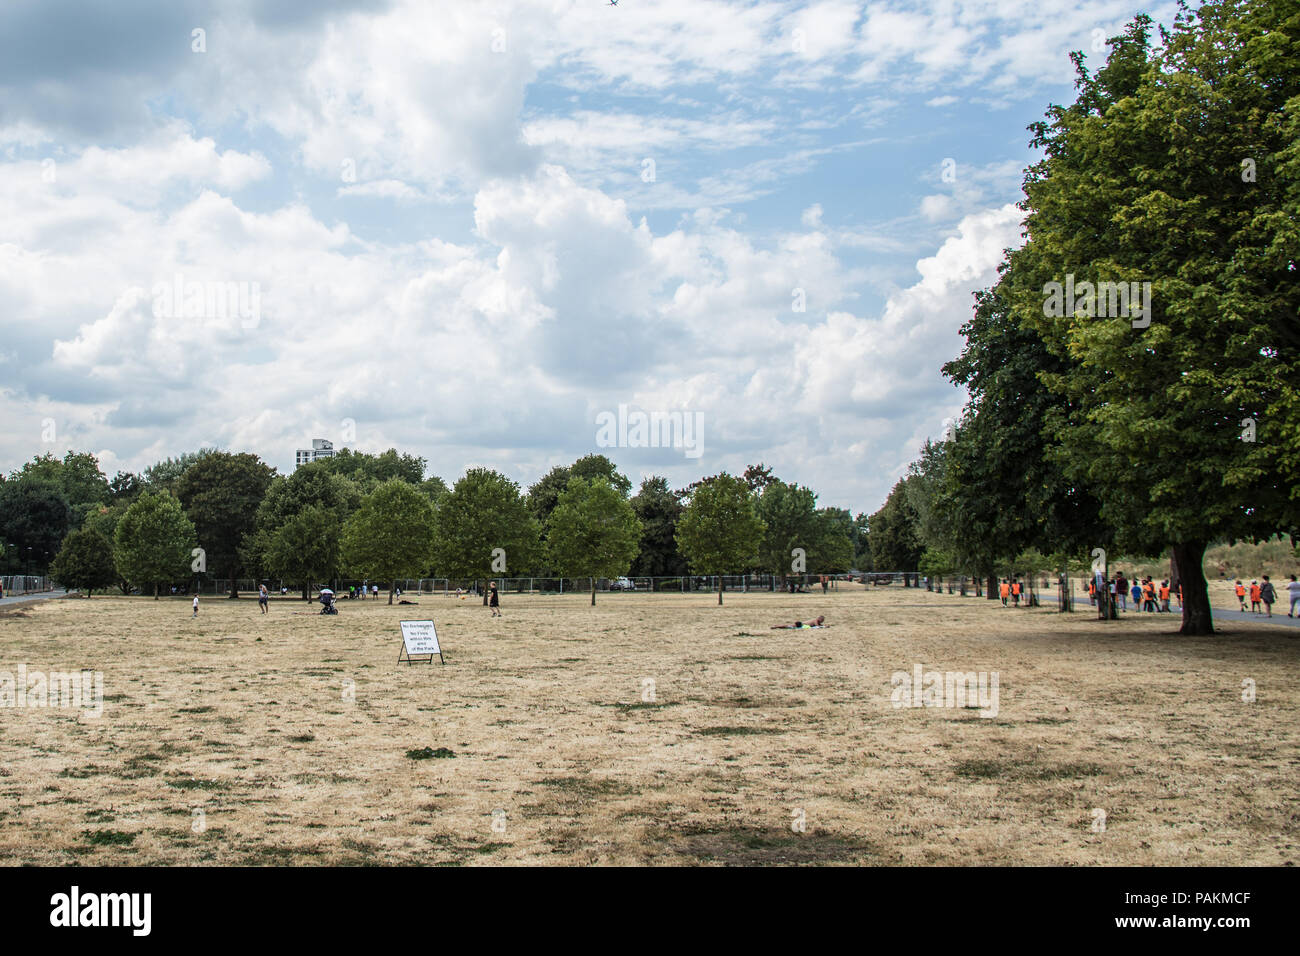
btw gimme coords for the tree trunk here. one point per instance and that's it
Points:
(156, 586)
(485, 595)
(719, 590)
(305, 595)
(1197, 619)
(593, 592)
(992, 582)
(391, 585)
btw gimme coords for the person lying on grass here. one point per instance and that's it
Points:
(800, 625)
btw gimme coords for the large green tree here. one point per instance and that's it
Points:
(85, 562)
(789, 514)
(304, 549)
(154, 541)
(77, 475)
(895, 541)
(333, 497)
(995, 484)
(34, 519)
(658, 508)
(720, 531)
(221, 493)
(593, 531)
(483, 512)
(1170, 168)
(391, 535)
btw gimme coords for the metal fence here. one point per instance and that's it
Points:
(26, 583)
(1034, 587)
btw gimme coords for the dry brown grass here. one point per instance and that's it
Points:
(245, 717)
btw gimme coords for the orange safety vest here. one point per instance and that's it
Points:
(1241, 591)
(1164, 593)
(1015, 589)
(1149, 590)
(1005, 588)
(1254, 592)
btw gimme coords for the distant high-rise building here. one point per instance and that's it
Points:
(320, 448)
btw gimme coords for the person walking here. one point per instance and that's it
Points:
(1254, 597)
(1136, 592)
(1293, 590)
(1015, 592)
(1121, 590)
(196, 608)
(1004, 589)
(1267, 594)
(262, 597)
(493, 601)
(1241, 595)
(1164, 596)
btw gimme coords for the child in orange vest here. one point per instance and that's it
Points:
(1241, 597)
(1004, 589)
(1164, 596)
(1015, 593)
(1254, 597)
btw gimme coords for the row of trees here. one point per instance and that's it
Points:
(1178, 166)
(378, 517)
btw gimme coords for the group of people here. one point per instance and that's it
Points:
(1265, 595)
(1145, 593)
(1011, 590)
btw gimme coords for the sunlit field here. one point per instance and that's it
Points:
(648, 729)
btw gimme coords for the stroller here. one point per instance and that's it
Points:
(327, 602)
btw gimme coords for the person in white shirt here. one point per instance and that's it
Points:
(1293, 589)
(196, 608)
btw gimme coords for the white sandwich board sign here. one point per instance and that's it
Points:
(419, 639)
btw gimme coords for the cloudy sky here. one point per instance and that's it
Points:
(468, 228)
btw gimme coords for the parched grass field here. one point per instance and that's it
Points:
(293, 738)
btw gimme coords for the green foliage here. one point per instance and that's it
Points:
(163, 475)
(658, 508)
(153, 541)
(720, 531)
(368, 471)
(77, 476)
(304, 549)
(391, 535)
(895, 540)
(85, 561)
(545, 493)
(35, 515)
(221, 494)
(832, 549)
(593, 530)
(789, 515)
(332, 497)
(483, 511)
(1142, 180)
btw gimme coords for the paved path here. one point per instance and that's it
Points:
(1279, 617)
(21, 598)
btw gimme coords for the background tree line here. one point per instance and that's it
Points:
(230, 516)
